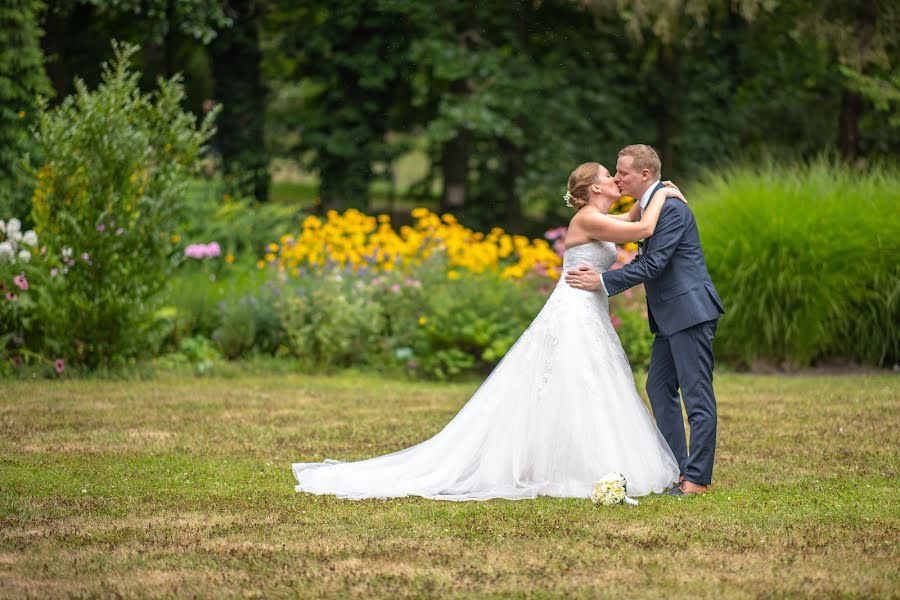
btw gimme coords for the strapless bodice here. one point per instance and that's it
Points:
(600, 255)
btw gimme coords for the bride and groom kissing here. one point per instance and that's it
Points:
(561, 409)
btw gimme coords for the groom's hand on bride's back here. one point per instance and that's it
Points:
(583, 278)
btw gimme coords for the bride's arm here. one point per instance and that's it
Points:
(632, 215)
(604, 227)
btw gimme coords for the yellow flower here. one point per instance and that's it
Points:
(384, 218)
(261, 265)
(422, 320)
(176, 238)
(273, 247)
(270, 257)
(21, 114)
(229, 259)
(452, 275)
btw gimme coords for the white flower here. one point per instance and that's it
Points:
(67, 252)
(30, 238)
(15, 236)
(2, 226)
(13, 226)
(6, 251)
(24, 255)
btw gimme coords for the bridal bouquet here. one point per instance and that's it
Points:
(611, 489)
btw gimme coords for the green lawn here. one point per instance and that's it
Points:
(182, 487)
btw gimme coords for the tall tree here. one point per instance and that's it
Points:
(342, 72)
(236, 60)
(22, 79)
(692, 46)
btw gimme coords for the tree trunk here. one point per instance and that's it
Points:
(235, 58)
(169, 41)
(514, 217)
(666, 115)
(848, 125)
(455, 169)
(53, 47)
(851, 100)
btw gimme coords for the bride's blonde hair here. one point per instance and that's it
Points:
(580, 182)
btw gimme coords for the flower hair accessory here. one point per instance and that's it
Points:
(568, 199)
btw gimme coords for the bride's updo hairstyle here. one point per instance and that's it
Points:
(580, 182)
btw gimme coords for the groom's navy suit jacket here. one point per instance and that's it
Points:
(671, 266)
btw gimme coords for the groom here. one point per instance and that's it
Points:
(683, 308)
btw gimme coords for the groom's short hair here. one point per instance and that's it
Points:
(644, 157)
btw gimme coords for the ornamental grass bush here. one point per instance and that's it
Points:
(805, 259)
(115, 167)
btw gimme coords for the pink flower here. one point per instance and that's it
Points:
(54, 272)
(616, 321)
(11, 297)
(395, 288)
(120, 231)
(200, 251)
(553, 234)
(20, 281)
(85, 257)
(559, 246)
(101, 227)
(60, 366)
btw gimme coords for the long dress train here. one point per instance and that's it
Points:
(556, 414)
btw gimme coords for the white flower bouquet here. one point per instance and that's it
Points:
(611, 489)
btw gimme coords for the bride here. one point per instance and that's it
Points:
(559, 411)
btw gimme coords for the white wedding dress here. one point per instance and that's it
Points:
(559, 412)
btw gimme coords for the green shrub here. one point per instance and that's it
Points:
(332, 321)
(628, 312)
(805, 259)
(471, 321)
(241, 226)
(118, 163)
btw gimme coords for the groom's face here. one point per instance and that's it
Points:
(631, 181)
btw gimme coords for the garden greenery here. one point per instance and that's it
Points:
(805, 259)
(109, 195)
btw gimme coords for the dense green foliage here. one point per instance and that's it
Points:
(805, 258)
(117, 163)
(22, 79)
(494, 104)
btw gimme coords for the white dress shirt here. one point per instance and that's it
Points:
(645, 200)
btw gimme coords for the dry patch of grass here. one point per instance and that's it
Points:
(182, 487)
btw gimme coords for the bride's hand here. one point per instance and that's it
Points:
(674, 192)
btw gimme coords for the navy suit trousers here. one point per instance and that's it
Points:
(684, 361)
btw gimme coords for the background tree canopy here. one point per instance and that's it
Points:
(502, 99)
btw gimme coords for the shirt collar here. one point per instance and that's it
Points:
(648, 194)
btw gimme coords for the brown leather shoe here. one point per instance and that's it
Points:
(688, 487)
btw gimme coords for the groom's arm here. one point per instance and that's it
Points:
(649, 265)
